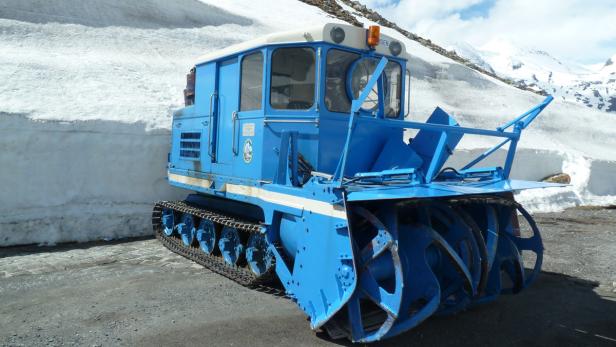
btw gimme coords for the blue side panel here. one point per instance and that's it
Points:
(331, 140)
(307, 143)
(189, 141)
(396, 154)
(367, 147)
(441, 189)
(248, 129)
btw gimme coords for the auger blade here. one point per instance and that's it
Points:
(408, 270)
(464, 276)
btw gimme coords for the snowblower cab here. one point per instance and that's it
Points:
(293, 146)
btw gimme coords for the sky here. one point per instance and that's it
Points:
(581, 31)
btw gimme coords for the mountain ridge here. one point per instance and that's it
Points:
(593, 89)
(333, 8)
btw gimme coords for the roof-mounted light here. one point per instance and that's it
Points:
(337, 34)
(374, 34)
(395, 48)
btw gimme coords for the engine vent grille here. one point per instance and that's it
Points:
(190, 145)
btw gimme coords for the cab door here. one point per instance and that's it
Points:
(205, 112)
(228, 102)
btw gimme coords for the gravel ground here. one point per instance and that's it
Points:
(138, 293)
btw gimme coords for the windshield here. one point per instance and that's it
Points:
(348, 74)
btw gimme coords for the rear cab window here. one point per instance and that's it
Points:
(251, 89)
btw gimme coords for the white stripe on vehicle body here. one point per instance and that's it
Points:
(316, 206)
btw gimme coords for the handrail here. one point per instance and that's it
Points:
(234, 149)
(211, 126)
(393, 123)
(484, 155)
(531, 114)
(521, 122)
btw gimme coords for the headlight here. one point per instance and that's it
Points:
(395, 48)
(337, 34)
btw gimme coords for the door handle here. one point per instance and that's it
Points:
(234, 148)
(211, 130)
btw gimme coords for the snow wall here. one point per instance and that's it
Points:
(87, 89)
(80, 180)
(87, 93)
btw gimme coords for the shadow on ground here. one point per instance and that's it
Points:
(24, 250)
(138, 293)
(558, 310)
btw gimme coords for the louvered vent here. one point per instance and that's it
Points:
(190, 146)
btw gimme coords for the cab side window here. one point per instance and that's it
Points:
(293, 78)
(252, 82)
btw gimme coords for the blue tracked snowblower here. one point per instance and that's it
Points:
(303, 184)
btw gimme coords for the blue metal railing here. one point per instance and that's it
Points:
(512, 137)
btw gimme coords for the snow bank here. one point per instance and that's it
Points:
(79, 181)
(85, 102)
(147, 14)
(88, 90)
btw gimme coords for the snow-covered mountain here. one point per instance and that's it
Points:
(592, 86)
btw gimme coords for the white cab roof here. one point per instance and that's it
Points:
(355, 37)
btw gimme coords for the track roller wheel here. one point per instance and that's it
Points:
(206, 236)
(186, 229)
(230, 245)
(258, 255)
(168, 220)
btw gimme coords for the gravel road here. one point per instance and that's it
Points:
(137, 293)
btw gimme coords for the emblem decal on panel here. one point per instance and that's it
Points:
(248, 151)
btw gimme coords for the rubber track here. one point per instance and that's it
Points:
(265, 283)
(243, 276)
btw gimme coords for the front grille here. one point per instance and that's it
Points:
(190, 145)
